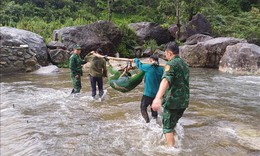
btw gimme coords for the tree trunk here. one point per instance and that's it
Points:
(178, 19)
(109, 10)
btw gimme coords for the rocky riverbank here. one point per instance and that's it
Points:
(231, 55)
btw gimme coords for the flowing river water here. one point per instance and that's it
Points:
(39, 117)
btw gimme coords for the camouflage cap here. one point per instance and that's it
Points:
(77, 47)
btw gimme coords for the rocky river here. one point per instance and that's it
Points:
(40, 117)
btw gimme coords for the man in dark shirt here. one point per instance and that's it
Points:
(96, 72)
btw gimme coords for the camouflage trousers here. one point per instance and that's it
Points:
(171, 118)
(76, 82)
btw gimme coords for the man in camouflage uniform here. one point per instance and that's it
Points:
(96, 72)
(76, 69)
(173, 94)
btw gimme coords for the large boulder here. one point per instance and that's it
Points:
(102, 34)
(17, 59)
(241, 58)
(198, 25)
(207, 54)
(147, 30)
(16, 37)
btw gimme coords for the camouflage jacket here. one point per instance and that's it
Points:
(177, 74)
(75, 65)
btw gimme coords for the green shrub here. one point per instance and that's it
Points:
(128, 42)
(64, 64)
(234, 18)
(151, 44)
(122, 50)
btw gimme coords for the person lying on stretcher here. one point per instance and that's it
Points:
(126, 74)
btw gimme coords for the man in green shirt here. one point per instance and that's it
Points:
(173, 94)
(75, 63)
(96, 72)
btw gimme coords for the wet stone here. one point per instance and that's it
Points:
(27, 56)
(12, 58)
(4, 59)
(3, 63)
(18, 63)
(28, 69)
(30, 62)
(30, 52)
(20, 54)
(3, 55)
(21, 59)
(5, 51)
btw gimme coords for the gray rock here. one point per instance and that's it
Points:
(56, 45)
(12, 58)
(16, 37)
(137, 52)
(147, 30)
(21, 58)
(59, 55)
(20, 54)
(207, 54)
(16, 63)
(173, 29)
(241, 58)
(102, 34)
(147, 52)
(198, 25)
(254, 40)
(30, 62)
(27, 56)
(29, 69)
(3, 55)
(194, 39)
(4, 59)
(47, 70)
(3, 63)
(160, 54)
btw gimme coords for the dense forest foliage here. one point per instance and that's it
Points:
(236, 18)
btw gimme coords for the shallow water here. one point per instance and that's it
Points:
(39, 117)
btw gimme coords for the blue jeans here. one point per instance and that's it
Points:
(94, 81)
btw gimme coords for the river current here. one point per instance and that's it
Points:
(40, 117)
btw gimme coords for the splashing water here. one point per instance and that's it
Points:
(40, 117)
